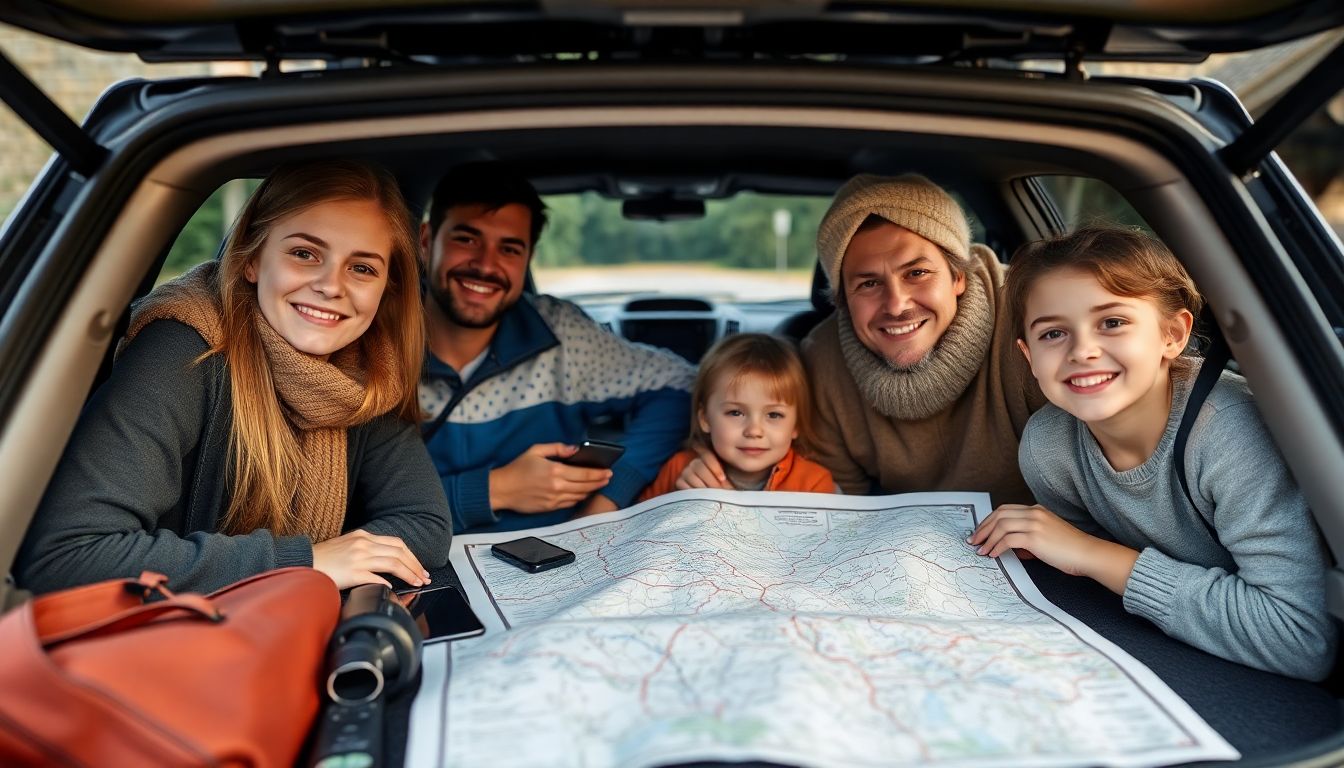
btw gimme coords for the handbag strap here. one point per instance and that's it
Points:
(112, 606)
(193, 606)
(70, 608)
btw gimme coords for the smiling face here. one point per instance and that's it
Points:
(1103, 358)
(321, 273)
(477, 262)
(749, 429)
(901, 292)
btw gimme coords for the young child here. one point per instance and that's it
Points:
(1104, 315)
(750, 405)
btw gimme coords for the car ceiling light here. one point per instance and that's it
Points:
(679, 18)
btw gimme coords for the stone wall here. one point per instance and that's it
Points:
(71, 76)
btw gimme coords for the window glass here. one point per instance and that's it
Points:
(589, 250)
(23, 158)
(24, 155)
(1081, 201)
(200, 239)
(750, 247)
(1314, 154)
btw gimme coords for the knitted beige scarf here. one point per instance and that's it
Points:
(932, 384)
(319, 398)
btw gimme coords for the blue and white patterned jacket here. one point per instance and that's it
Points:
(550, 373)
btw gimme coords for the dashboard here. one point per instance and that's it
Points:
(688, 325)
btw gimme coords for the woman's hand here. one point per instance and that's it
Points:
(704, 471)
(358, 557)
(1048, 537)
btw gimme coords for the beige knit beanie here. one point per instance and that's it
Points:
(909, 201)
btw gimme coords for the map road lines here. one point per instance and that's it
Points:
(730, 626)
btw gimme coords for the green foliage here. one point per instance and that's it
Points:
(200, 239)
(588, 229)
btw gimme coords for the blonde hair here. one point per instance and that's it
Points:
(1126, 262)
(758, 354)
(262, 446)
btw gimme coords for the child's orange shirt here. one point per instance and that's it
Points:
(792, 473)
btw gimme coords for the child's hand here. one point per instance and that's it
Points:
(705, 471)
(1043, 534)
(1037, 530)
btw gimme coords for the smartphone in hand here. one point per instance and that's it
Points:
(595, 454)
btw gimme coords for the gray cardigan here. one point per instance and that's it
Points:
(1255, 594)
(144, 481)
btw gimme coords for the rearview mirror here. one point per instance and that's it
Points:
(662, 209)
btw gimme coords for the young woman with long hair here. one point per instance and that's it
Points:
(262, 410)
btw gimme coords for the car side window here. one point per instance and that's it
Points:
(203, 235)
(1082, 200)
(1305, 208)
(23, 158)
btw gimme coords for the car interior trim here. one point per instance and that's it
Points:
(49, 404)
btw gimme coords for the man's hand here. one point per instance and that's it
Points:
(1043, 534)
(534, 483)
(704, 471)
(596, 505)
(358, 557)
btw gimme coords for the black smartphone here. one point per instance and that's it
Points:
(532, 554)
(441, 613)
(595, 454)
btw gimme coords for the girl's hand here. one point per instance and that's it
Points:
(358, 557)
(1043, 534)
(704, 471)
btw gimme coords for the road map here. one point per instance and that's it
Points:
(802, 629)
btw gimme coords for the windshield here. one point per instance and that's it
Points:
(751, 247)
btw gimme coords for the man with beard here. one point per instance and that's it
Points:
(513, 381)
(917, 383)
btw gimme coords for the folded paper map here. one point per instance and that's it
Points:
(802, 629)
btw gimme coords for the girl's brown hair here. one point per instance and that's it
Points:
(264, 452)
(758, 354)
(1126, 262)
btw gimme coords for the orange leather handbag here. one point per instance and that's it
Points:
(98, 676)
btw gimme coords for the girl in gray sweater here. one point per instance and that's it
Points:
(1104, 315)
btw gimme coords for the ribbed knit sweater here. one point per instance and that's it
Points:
(1255, 593)
(969, 445)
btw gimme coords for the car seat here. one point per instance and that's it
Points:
(799, 325)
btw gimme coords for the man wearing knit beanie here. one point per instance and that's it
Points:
(911, 218)
(917, 383)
